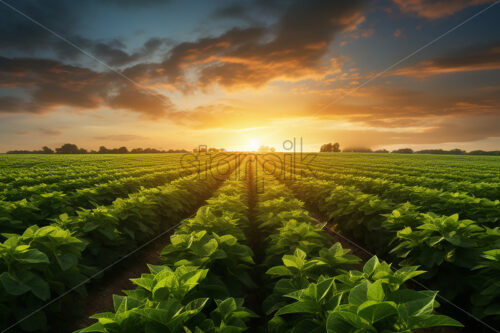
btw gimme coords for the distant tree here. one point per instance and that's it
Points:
(457, 151)
(19, 152)
(330, 148)
(482, 152)
(122, 150)
(326, 148)
(381, 151)
(266, 149)
(103, 150)
(47, 150)
(68, 148)
(152, 151)
(442, 152)
(357, 150)
(403, 151)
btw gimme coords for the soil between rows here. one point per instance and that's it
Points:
(99, 298)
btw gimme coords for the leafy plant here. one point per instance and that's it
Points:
(35, 266)
(227, 260)
(160, 302)
(372, 300)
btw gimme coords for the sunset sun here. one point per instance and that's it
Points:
(254, 145)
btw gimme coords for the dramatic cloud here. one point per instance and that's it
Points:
(113, 52)
(479, 57)
(295, 47)
(21, 35)
(51, 84)
(395, 107)
(434, 9)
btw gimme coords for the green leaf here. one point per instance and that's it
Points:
(226, 306)
(33, 256)
(373, 312)
(97, 327)
(38, 286)
(299, 307)
(432, 321)
(358, 294)
(414, 303)
(12, 285)
(336, 319)
(279, 271)
(371, 265)
(67, 261)
(292, 261)
(375, 291)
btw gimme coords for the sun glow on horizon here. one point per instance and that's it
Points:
(254, 145)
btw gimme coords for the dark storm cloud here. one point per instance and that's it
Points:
(19, 34)
(248, 10)
(478, 57)
(51, 84)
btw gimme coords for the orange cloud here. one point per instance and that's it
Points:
(477, 58)
(294, 48)
(51, 84)
(432, 10)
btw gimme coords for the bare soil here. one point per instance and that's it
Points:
(99, 298)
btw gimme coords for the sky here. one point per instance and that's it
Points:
(239, 74)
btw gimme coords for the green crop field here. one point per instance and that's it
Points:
(238, 242)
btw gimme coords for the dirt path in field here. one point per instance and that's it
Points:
(255, 298)
(100, 291)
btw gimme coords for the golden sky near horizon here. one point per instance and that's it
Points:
(236, 74)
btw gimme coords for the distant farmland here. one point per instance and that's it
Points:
(233, 242)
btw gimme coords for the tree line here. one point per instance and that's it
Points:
(69, 148)
(335, 148)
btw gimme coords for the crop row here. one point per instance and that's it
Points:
(481, 210)
(46, 165)
(201, 284)
(447, 167)
(15, 216)
(315, 289)
(17, 192)
(480, 189)
(444, 245)
(43, 263)
(69, 178)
